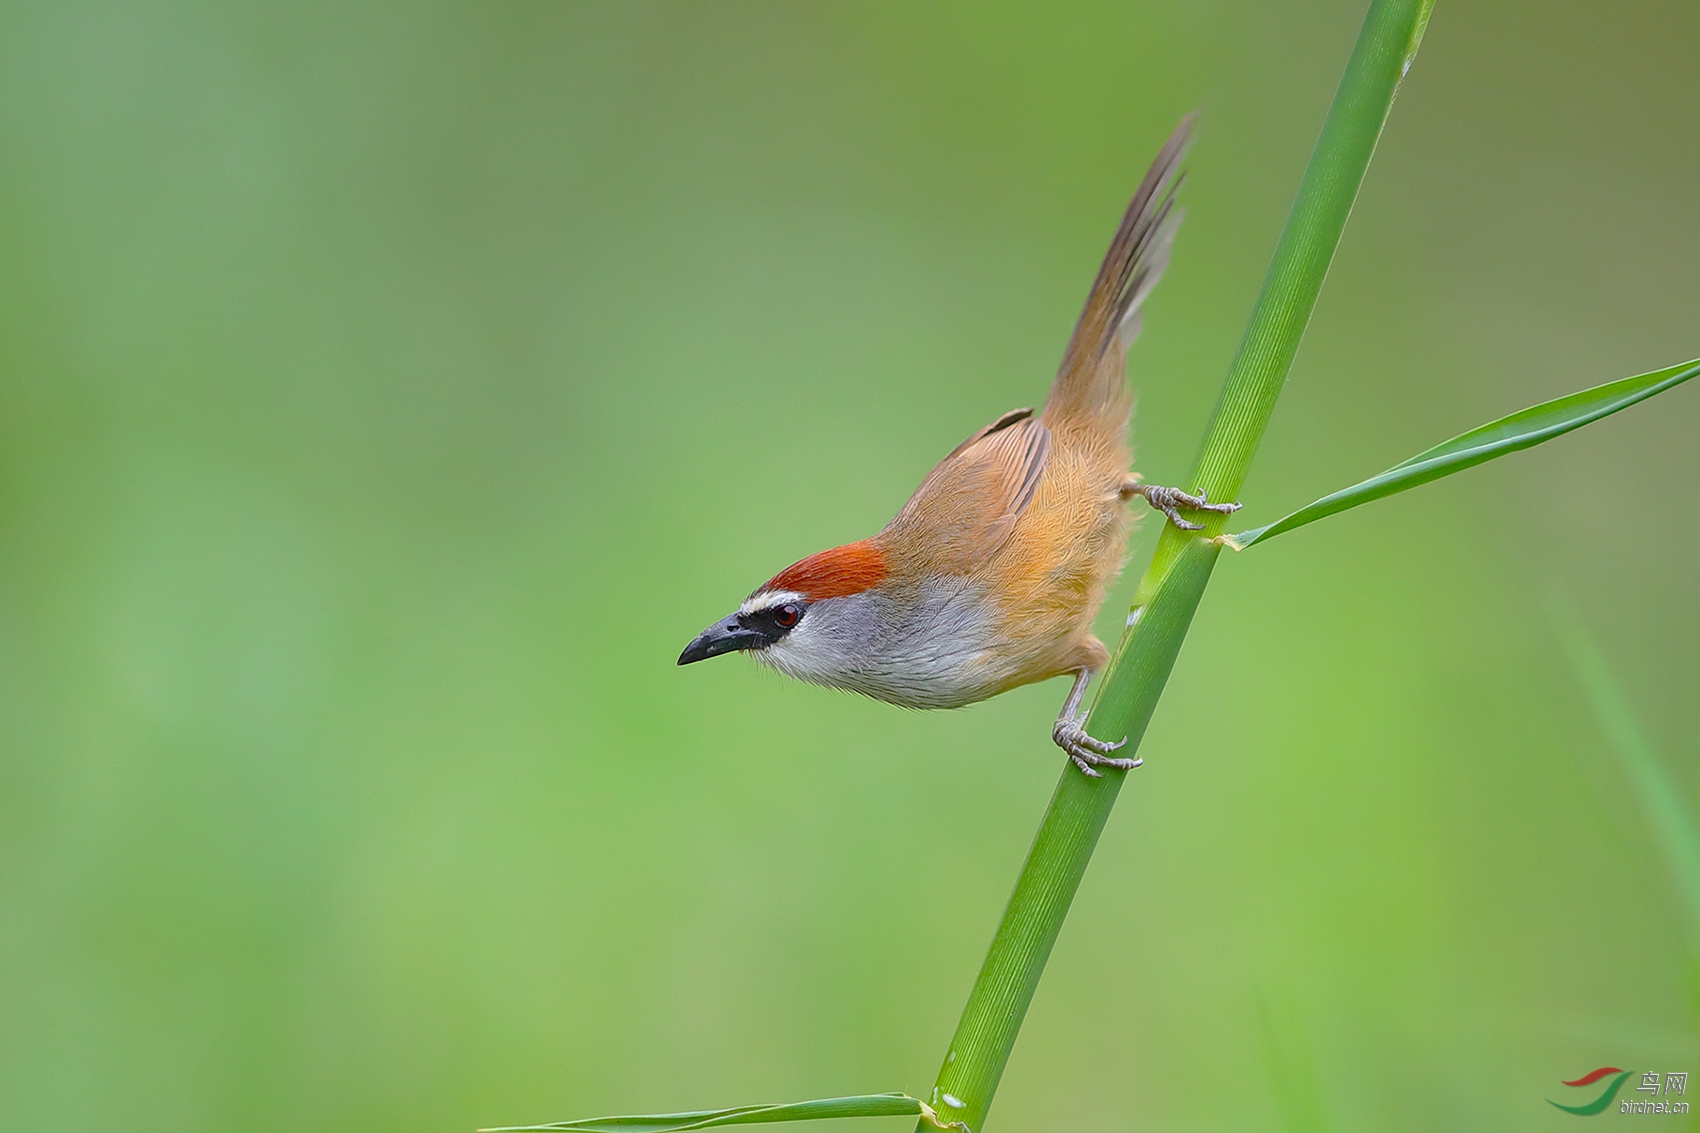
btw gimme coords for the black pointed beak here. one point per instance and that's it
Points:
(728, 635)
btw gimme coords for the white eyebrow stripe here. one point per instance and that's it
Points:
(767, 599)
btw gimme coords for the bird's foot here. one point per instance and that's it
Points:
(1170, 500)
(1088, 752)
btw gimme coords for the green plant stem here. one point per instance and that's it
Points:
(1174, 584)
(1385, 48)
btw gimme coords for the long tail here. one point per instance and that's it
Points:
(1092, 383)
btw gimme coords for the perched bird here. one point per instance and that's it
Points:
(990, 576)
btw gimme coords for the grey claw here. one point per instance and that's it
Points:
(1175, 518)
(1072, 734)
(1204, 504)
(1167, 500)
(1087, 762)
(1090, 753)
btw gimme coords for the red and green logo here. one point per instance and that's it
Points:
(1598, 1104)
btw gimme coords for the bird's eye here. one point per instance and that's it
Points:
(787, 615)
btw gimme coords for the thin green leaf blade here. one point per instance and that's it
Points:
(1561, 415)
(1521, 430)
(640, 1123)
(861, 1105)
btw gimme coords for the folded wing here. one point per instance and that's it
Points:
(967, 506)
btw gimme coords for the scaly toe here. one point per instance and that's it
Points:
(1090, 753)
(1201, 502)
(1098, 746)
(1085, 758)
(1119, 764)
(1170, 500)
(1073, 735)
(1085, 767)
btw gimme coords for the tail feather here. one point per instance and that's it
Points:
(1093, 379)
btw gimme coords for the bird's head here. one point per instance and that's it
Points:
(802, 617)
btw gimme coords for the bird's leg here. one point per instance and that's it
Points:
(1087, 752)
(1168, 500)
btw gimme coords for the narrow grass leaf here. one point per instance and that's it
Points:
(1521, 430)
(864, 1105)
(1667, 815)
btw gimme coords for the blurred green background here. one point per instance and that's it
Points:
(388, 393)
